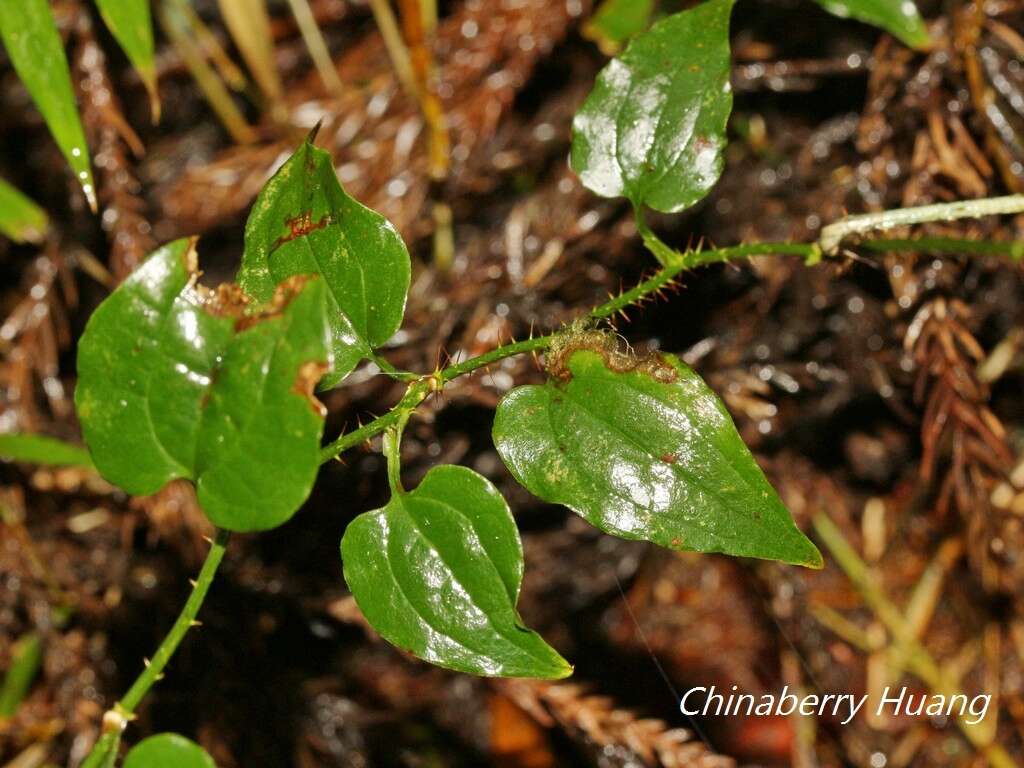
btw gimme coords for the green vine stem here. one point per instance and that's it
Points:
(673, 264)
(393, 450)
(118, 716)
(393, 454)
(1014, 249)
(834, 234)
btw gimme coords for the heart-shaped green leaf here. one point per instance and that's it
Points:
(20, 218)
(131, 24)
(898, 17)
(168, 750)
(303, 222)
(653, 128)
(175, 381)
(646, 451)
(37, 53)
(437, 573)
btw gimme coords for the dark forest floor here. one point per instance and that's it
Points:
(883, 391)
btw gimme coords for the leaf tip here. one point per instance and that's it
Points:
(90, 192)
(922, 41)
(311, 137)
(563, 670)
(811, 556)
(817, 562)
(555, 667)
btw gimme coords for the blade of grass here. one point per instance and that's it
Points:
(428, 12)
(26, 656)
(36, 51)
(40, 449)
(131, 24)
(416, 30)
(175, 22)
(214, 51)
(412, 49)
(20, 219)
(396, 48)
(249, 25)
(910, 649)
(315, 44)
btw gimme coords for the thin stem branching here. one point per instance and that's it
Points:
(673, 263)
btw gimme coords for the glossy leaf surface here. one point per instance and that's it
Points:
(37, 54)
(168, 750)
(178, 381)
(20, 218)
(898, 17)
(40, 449)
(303, 222)
(653, 128)
(131, 24)
(437, 573)
(648, 453)
(616, 21)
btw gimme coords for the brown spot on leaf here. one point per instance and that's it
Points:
(669, 458)
(615, 357)
(190, 258)
(226, 300)
(300, 226)
(305, 384)
(283, 295)
(658, 368)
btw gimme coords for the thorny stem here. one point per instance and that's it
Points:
(115, 720)
(673, 264)
(415, 394)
